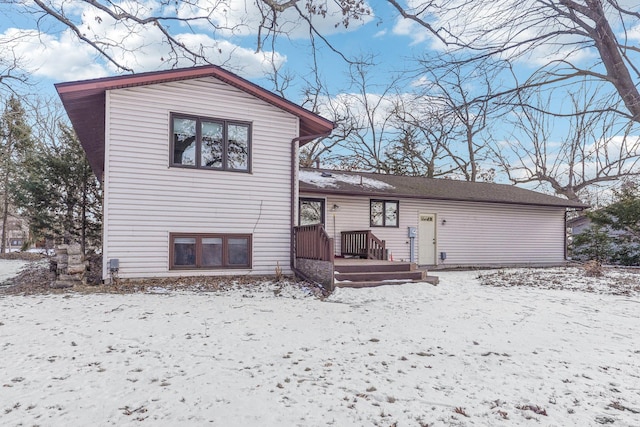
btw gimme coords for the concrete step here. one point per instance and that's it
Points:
(374, 276)
(432, 280)
(375, 267)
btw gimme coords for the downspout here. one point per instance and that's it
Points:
(566, 235)
(292, 219)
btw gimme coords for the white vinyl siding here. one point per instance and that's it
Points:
(146, 199)
(474, 233)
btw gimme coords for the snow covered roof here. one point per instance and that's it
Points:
(382, 185)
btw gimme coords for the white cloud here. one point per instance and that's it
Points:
(64, 57)
(634, 33)
(359, 107)
(225, 33)
(416, 32)
(244, 17)
(143, 48)
(421, 81)
(44, 55)
(380, 33)
(383, 111)
(244, 61)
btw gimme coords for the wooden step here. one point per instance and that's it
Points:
(375, 276)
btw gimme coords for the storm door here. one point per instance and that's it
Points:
(427, 239)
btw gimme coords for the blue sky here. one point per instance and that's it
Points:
(50, 53)
(55, 55)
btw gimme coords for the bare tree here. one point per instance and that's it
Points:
(168, 20)
(329, 151)
(419, 150)
(12, 74)
(434, 131)
(447, 122)
(563, 34)
(46, 114)
(317, 98)
(593, 149)
(364, 120)
(539, 45)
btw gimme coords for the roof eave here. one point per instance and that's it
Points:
(85, 104)
(365, 193)
(312, 123)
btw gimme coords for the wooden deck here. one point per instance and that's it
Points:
(360, 273)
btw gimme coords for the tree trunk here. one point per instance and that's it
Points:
(83, 231)
(472, 155)
(5, 213)
(617, 70)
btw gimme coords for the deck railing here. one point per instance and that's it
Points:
(362, 243)
(313, 242)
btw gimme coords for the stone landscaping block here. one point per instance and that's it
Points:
(76, 269)
(75, 259)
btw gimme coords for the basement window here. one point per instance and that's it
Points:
(209, 251)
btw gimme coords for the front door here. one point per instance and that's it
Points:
(427, 239)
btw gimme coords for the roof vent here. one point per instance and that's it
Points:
(326, 174)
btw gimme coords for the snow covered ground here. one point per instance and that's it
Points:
(459, 354)
(9, 268)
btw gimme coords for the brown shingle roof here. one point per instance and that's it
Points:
(85, 104)
(381, 185)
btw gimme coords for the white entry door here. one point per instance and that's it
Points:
(427, 239)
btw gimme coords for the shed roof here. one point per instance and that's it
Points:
(382, 185)
(85, 104)
(578, 221)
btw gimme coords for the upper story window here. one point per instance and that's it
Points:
(201, 142)
(384, 213)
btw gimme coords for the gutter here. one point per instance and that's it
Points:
(294, 168)
(325, 191)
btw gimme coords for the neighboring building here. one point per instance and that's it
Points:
(578, 224)
(600, 242)
(200, 177)
(17, 233)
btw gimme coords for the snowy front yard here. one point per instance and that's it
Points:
(414, 355)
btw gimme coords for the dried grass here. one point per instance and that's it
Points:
(593, 268)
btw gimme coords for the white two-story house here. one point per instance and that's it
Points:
(200, 174)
